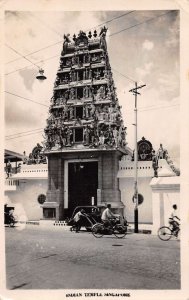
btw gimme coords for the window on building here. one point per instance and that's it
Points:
(80, 75)
(80, 93)
(78, 135)
(41, 198)
(49, 213)
(79, 112)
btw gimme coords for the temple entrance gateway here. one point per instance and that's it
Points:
(82, 184)
(85, 135)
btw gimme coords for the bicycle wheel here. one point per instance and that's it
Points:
(120, 231)
(164, 233)
(97, 230)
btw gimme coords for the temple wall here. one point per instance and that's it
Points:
(24, 198)
(127, 192)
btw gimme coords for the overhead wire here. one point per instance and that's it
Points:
(130, 79)
(10, 135)
(109, 36)
(115, 18)
(40, 130)
(45, 24)
(146, 21)
(51, 45)
(31, 53)
(12, 138)
(26, 99)
(49, 58)
(144, 109)
(158, 107)
(21, 55)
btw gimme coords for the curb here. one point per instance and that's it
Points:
(143, 231)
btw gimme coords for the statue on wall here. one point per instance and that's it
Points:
(101, 138)
(86, 133)
(97, 74)
(100, 93)
(92, 110)
(86, 92)
(116, 136)
(65, 112)
(71, 112)
(102, 35)
(65, 43)
(108, 136)
(72, 94)
(161, 152)
(155, 163)
(68, 137)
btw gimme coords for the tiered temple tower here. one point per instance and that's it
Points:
(85, 134)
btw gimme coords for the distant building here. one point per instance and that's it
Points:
(26, 186)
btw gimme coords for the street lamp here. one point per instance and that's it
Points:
(40, 75)
(135, 93)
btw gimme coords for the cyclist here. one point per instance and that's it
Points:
(173, 220)
(107, 216)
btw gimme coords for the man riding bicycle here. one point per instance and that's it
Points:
(173, 220)
(107, 216)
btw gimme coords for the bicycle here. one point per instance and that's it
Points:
(166, 232)
(99, 229)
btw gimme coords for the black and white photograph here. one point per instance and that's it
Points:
(95, 173)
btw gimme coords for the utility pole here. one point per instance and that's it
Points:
(135, 93)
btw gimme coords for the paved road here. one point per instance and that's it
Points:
(41, 258)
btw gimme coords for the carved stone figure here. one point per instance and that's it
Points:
(101, 138)
(68, 137)
(86, 135)
(65, 112)
(86, 92)
(65, 43)
(72, 94)
(92, 110)
(155, 163)
(115, 136)
(97, 74)
(71, 112)
(100, 93)
(161, 152)
(102, 34)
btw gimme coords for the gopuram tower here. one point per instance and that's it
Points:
(85, 134)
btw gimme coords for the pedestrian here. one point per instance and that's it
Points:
(9, 169)
(78, 219)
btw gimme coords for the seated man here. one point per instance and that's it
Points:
(107, 216)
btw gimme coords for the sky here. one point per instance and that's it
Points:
(143, 47)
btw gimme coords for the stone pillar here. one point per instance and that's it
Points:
(55, 193)
(155, 212)
(109, 182)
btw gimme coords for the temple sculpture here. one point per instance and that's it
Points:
(84, 94)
